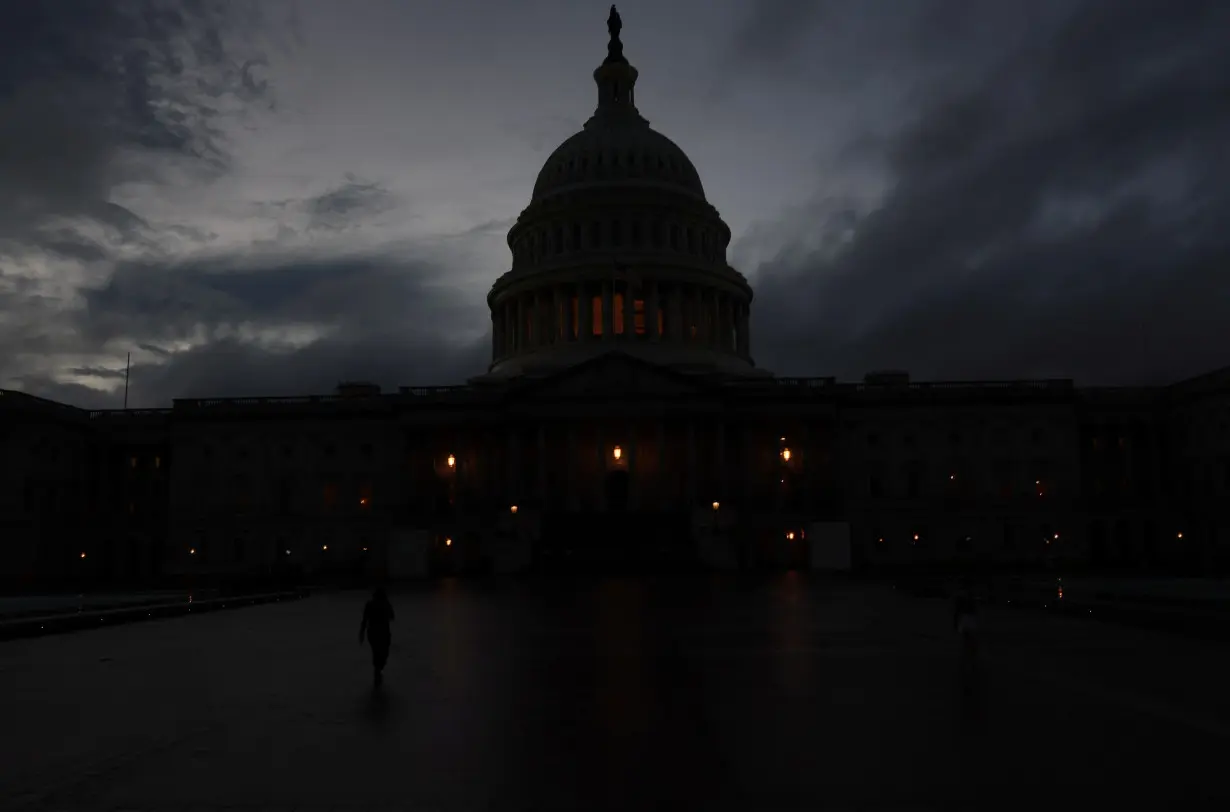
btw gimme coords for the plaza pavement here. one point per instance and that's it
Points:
(701, 693)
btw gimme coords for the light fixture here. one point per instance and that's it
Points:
(1056, 536)
(786, 454)
(880, 540)
(617, 452)
(324, 546)
(952, 477)
(448, 542)
(782, 439)
(452, 461)
(191, 551)
(716, 505)
(1177, 535)
(288, 552)
(916, 537)
(364, 549)
(789, 535)
(363, 501)
(512, 508)
(83, 555)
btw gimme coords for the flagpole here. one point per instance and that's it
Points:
(127, 369)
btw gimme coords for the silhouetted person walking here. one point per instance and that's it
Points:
(377, 615)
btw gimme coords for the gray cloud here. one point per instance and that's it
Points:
(965, 189)
(1055, 212)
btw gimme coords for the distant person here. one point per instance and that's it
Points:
(377, 615)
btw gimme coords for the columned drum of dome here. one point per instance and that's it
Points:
(619, 249)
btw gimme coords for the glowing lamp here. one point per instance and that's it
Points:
(790, 535)
(452, 461)
(191, 551)
(1176, 535)
(448, 542)
(324, 546)
(83, 555)
(716, 505)
(512, 508)
(617, 452)
(786, 454)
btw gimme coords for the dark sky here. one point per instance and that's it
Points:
(270, 197)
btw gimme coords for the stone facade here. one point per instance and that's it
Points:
(1017, 474)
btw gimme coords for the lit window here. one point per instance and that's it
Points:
(638, 316)
(617, 306)
(596, 307)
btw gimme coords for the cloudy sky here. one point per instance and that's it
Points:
(269, 197)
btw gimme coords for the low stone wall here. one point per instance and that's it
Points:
(98, 618)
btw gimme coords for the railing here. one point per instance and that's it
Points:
(97, 414)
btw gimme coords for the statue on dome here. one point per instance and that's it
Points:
(615, 48)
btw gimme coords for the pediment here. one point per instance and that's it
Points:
(610, 376)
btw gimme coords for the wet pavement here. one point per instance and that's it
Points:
(713, 693)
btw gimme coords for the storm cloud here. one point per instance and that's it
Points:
(272, 197)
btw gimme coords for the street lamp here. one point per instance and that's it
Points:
(716, 505)
(451, 461)
(617, 452)
(512, 509)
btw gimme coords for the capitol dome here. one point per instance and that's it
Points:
(619, 249)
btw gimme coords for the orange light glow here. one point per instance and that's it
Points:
(452, 461)
(512, 509)
(363, 501)
(916, 537)
(83, 555)
(1178, 535)
(191, 551)
(717, 505)
(880, 540)
(617, 452)
(790, 535)
(324, 546)
(448, 542)
(786, 454)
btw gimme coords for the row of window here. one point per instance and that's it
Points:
(540, 244)
(610, 164)
(544, 323)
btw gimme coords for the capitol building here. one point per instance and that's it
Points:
(622, 420)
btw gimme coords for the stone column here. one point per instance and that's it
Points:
(514, 466)
(572, 466)
(662, 477)
(691, 433)
(608, 321)
(542, 465)
(559, 321)
(651, 313)
(520, 332)
(634, 500)
(585, 313)
(676, 313)
(601, 449)
(629, 312)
